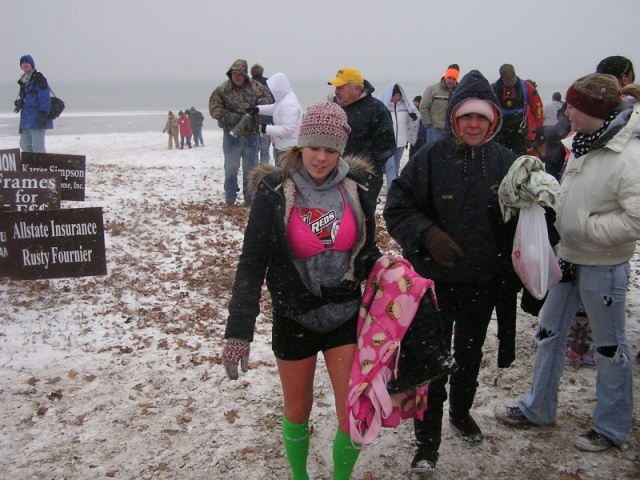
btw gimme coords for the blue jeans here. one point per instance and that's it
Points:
(197, 135)
(32, 140)
(392, 167)
(236, 150)
(265, 145)
(434, 134)
(603, 292)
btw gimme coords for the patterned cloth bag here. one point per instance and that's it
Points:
(389, 303)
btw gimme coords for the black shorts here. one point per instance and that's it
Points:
(292, 341)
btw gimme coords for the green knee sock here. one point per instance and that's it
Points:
(345, 454)
(296, 445)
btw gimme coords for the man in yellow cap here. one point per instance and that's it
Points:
(371, 125)
(433, 106)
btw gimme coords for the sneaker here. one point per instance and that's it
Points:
(424, 460)
(513, 416)
(466, 428)
(593, 441)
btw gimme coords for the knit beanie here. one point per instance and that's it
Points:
(453, 71)
(476, 105)
(28, 59)
(324, 125)
(592, 98)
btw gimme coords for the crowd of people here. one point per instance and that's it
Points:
(311, 235)
(311, 232)
(187, 125)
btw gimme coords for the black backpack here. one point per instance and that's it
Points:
(57, 106)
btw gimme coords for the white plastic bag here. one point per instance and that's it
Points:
(533, 258)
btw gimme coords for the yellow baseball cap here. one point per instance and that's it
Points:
(346, 75)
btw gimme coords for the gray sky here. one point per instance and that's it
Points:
(546, 40)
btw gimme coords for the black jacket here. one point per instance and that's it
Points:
(265, 252)
(451, 187)
(371, 136)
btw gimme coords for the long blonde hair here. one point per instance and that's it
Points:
(290, 161)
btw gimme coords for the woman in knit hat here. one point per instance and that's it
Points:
(598, 218)
(311, 231)
(437, 210)
(580, 348)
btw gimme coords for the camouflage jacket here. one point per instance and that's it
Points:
(228, 103)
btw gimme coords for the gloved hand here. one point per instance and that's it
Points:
(263, 128)
(540, 138)
(42, 118)
(252, 110)
(235, 351)
(234, 118)
(441, 247)
(413, 116)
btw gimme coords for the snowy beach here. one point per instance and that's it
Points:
(119, 376)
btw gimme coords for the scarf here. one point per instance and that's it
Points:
(582, 142)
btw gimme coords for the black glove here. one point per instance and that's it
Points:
(441, 247)
(43, 118)
(18, 104)
(252, 110)
(540, 136)
(263, 129)
(413, 116)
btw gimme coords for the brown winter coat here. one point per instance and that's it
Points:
(172, 125)
(228, 102)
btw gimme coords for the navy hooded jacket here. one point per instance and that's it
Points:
(450, 186)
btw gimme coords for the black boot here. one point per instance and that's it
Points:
(424, 356)
(428, 434)
(466, 427)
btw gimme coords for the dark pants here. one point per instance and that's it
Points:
(468, 309)
(197, 135)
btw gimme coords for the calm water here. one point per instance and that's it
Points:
(141, 107)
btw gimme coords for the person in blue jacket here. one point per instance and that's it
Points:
(34, 104)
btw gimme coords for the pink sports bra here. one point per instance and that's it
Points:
(311, 231)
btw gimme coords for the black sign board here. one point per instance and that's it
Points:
(10, 160)
(53, 243)
(70, 167)
(22, 191)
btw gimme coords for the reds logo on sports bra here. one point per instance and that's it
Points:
(323, 224)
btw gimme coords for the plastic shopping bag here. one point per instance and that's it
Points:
(533, 258)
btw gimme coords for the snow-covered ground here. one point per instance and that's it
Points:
(120, 377)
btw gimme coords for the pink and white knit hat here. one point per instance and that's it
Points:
(324, 125)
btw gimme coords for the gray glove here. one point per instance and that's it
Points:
(235, 351)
